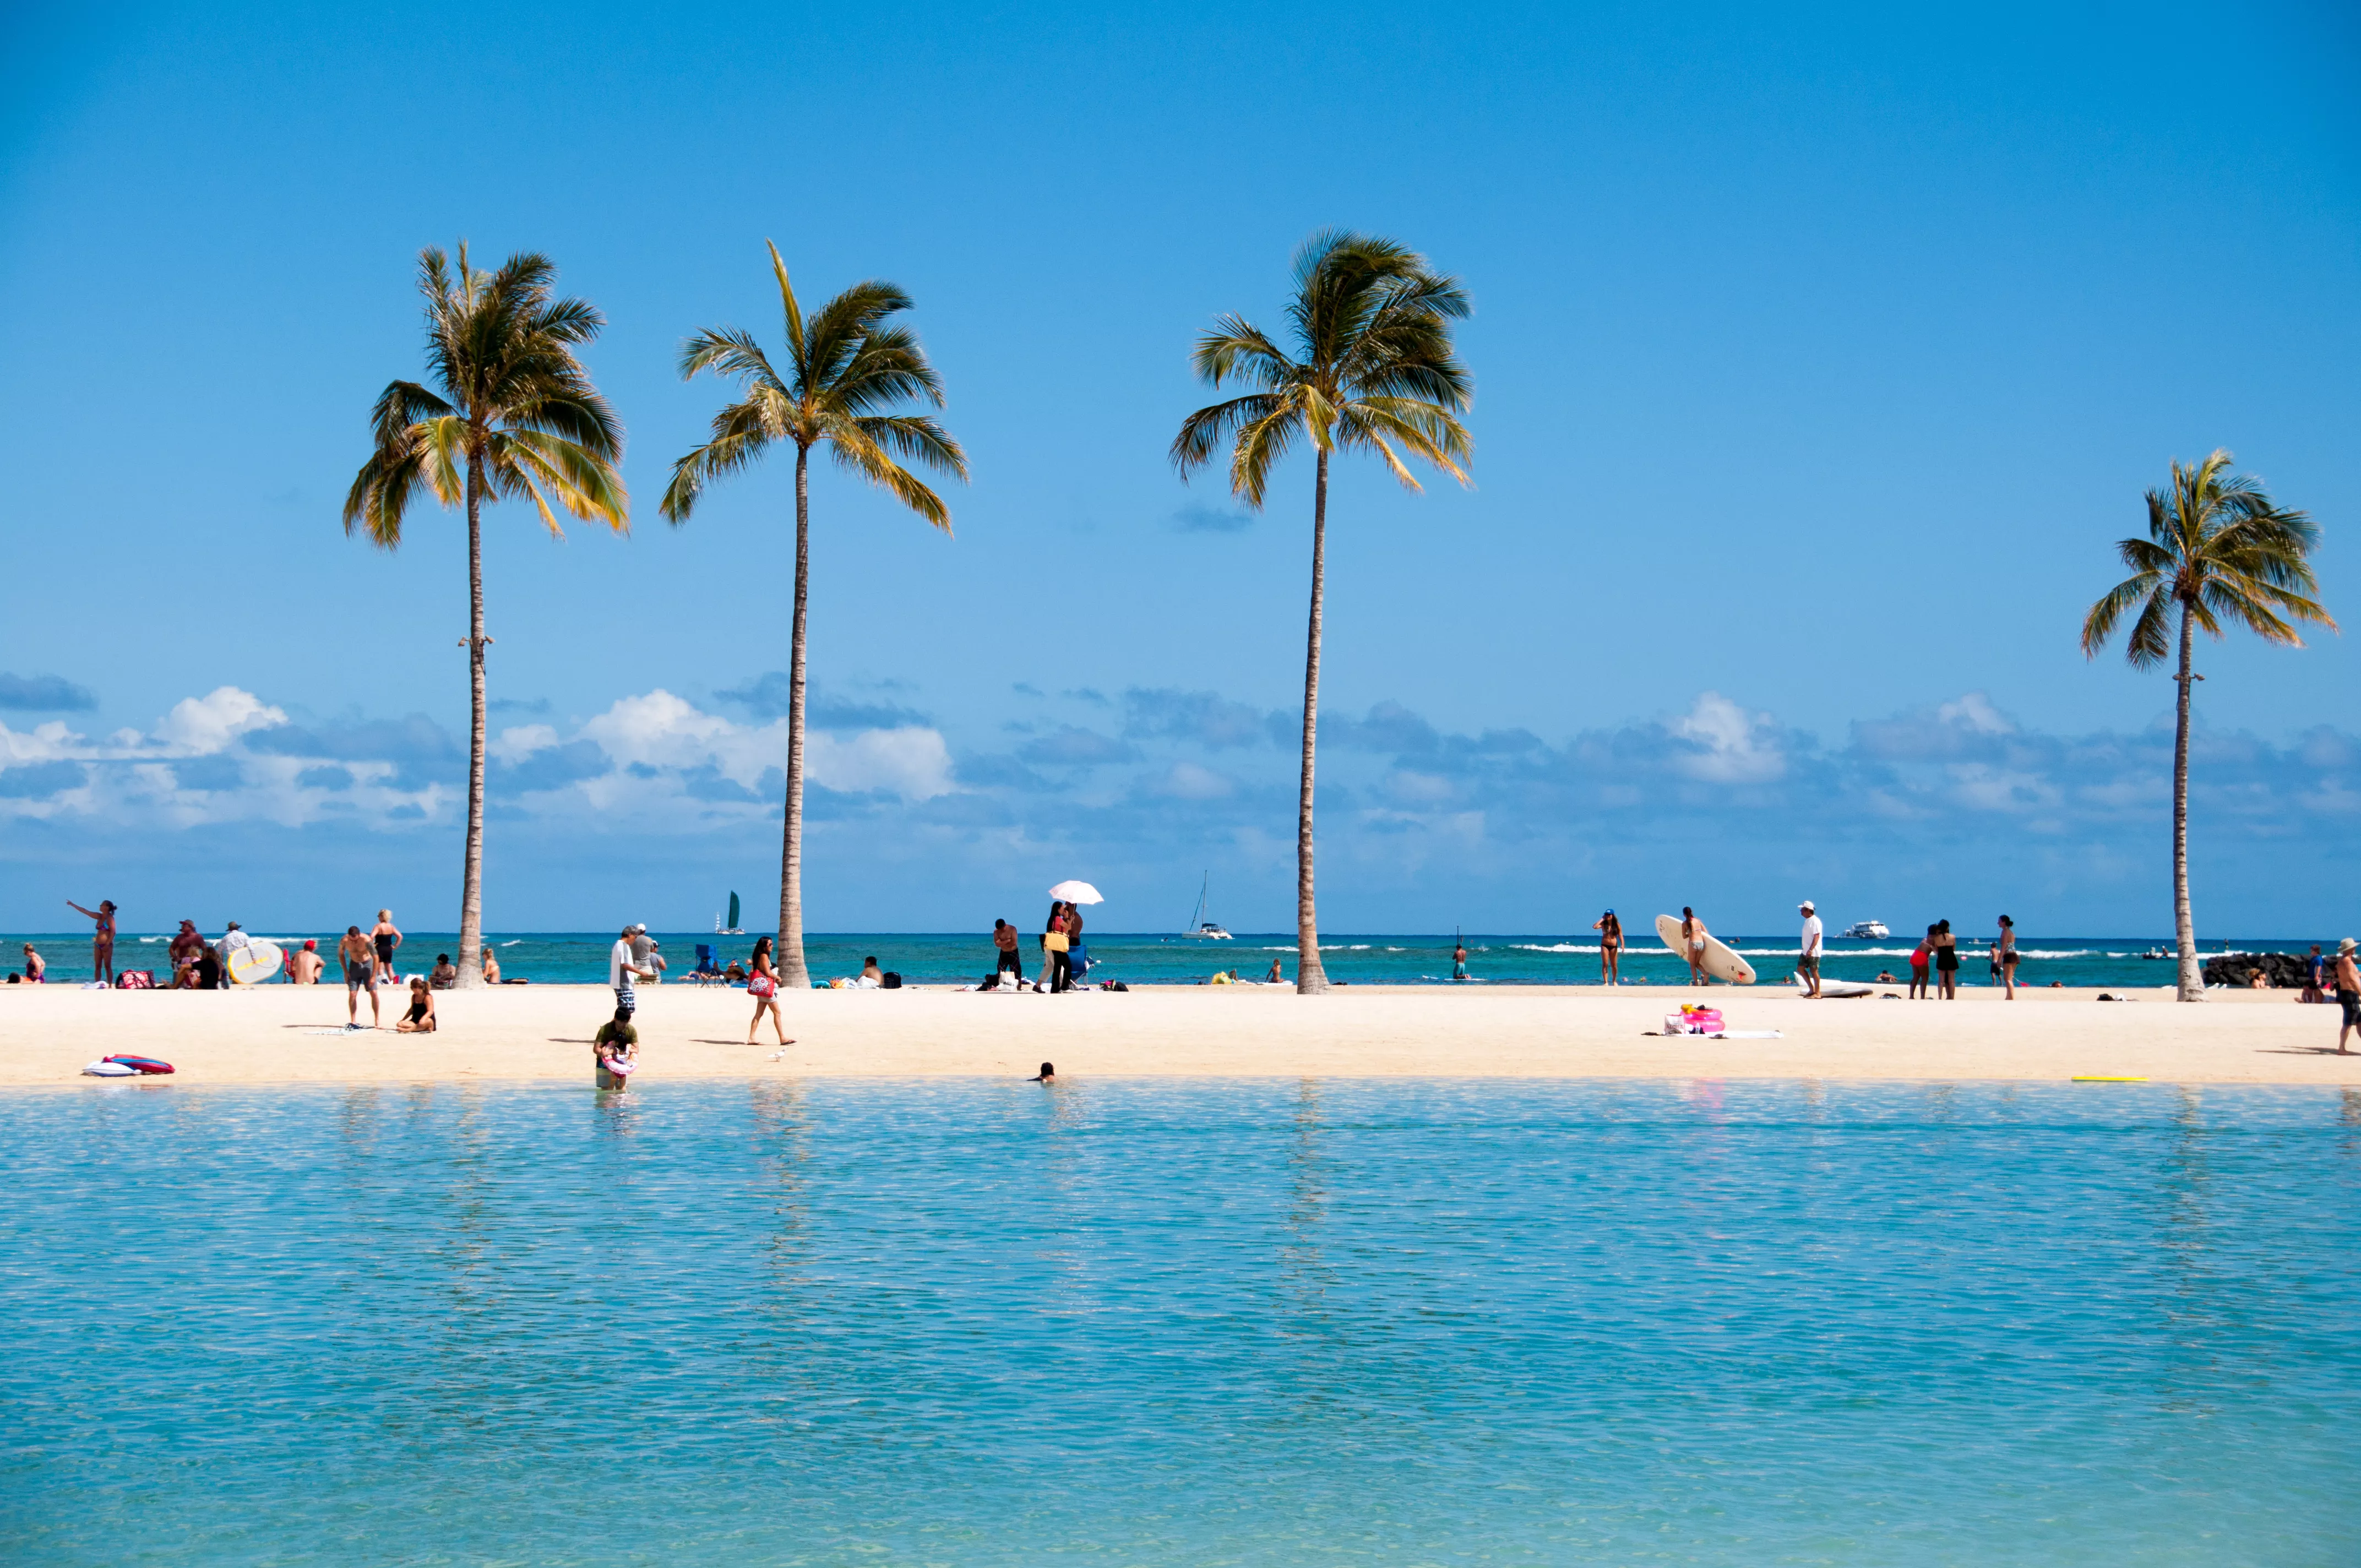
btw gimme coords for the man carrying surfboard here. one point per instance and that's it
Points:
(1807, 961)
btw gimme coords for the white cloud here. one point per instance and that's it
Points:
(201, 726)
(1188, 781)
(1975, 712)
(1731, 745)
(515, 745)
(911, 761)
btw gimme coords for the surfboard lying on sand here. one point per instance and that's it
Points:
(1720, 961)
(1836, 987)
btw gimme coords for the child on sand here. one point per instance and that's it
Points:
(420, 1019)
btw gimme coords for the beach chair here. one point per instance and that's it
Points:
(706, 972)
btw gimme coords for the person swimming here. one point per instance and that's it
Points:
(1049, 1074)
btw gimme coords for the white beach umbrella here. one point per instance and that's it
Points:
(1076, 892)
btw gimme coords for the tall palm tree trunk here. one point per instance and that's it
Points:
(792, 973)
(2192, 980)
(1310, 977)
(471, 875)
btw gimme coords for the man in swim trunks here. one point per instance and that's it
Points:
(102, 939)
(2348, 993)
(1460, 962)
(359, 958)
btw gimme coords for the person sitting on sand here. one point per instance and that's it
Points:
(1049, 1074)
(303, 964)
(420, 1019)
(2258, 981)
(491, 968)
(1276, 976)
(871, 975)
(183, 948)
(359, 960)
(35, 969)
(207, 970)
(736, 973)
(445, 974)
(1886, 978)
(615, 1051)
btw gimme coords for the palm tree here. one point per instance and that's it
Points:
(516, 417)
(846, 365)
(2218, 550)
(1373, 370)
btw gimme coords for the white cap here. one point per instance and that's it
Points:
(1808, 903)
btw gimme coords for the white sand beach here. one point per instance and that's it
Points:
(291, 1034)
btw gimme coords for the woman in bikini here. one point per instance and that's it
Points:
(1919, 957)
(102, 939)
(2004, 953)
(1611, 948)
(1693, 935)
(762, 985)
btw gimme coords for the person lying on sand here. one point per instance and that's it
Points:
(420, 1019)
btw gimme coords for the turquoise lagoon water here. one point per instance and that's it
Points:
(1162, 1324)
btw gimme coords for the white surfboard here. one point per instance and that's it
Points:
(254, 963)
(1720, 961)
(1834, 987)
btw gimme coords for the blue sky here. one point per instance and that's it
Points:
(1819, 360)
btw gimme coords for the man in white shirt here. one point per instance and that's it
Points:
(1808, 964)
(624, 973)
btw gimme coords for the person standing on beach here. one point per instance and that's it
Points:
(1611, 948)
(1053, 952)
(386, 937)
(360, 974)
(2315, 983)
(1693, 935)
(623, 972)
(1947, 960)
(2348, 993)
(1807, 959)
(1078, 956)
(1919, 956)
(102, 939)
(1011, 961)
(762, 985)
(2005, 955)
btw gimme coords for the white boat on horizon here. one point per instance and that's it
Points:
(1200, 927)
(1865, 931)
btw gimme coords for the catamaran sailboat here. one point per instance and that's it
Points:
(731, 929)
(1200, 926)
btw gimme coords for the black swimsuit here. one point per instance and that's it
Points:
(385, 950)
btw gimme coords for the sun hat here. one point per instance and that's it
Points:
(1805, 904)
(2345, 946)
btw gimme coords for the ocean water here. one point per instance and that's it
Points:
(1210, 1323)
(935, 958)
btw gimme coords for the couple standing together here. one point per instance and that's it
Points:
(1061, 949)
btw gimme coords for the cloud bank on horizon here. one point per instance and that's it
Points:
(658, 799)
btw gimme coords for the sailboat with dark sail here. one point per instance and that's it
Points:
(732, 929)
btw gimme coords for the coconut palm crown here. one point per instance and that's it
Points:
(2219, 551)
(1369, 368)
(847, 365)
(512, 415)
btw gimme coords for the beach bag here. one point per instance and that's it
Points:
(890, 981)
(762, 985)
(1054, 942)
(136, 979)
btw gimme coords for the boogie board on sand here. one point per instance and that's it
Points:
(1720, 961)
(254, 963)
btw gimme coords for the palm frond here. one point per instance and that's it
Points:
(1202, 432)
(583, 480)
(916, 438)
(852, 447)
(1236, 346)
(729, 351)
(741, 433)
(2100, 624)
(790, 308)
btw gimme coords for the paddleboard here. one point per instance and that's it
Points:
(1835, 987)
(1720, 961)
(254, 963)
